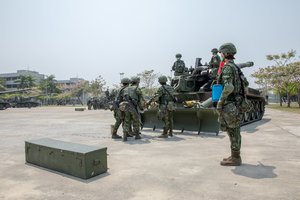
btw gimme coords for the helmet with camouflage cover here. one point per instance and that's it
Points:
(135, 79)
(227, 48)
(125, 81)
(178, 55)
(214, 50)
(162, 79)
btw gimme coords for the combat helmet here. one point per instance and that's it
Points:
(162, 79)
(135, 79)
(214, 50)
(125, 81)
(227, 48)
(178, 55)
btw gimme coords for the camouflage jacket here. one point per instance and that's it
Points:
(231, 81)
(178, 66)
(135, 93)
(215, 61)
(162, 97)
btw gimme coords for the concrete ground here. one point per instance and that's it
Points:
(183, 167)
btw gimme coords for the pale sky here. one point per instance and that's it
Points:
(87, 38)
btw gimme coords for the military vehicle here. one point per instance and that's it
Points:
(195, 110)
(27, 102)
(4, 104)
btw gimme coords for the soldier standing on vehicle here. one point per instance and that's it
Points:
(164, 97)
(214, 62)
(178, 66)
(229, 104)
(133, 99)
(118, 114)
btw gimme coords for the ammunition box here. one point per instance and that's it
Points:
(74, 159)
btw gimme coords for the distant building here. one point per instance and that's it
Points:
(70, 82)
(10, 78)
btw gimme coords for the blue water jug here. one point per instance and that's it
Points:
(216, 92)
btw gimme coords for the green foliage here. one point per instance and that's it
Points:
(149, 81)
(49, 86)
(283, 77)
(26, 81)
(2, 84)
(97, 86)
(283, 59)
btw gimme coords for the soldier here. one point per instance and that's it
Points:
(214, 63)
(118, 114)
(229, 104)
(89, 104)
(178, 66)
(164, 97)
(133, 101)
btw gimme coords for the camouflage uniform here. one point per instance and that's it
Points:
(178, 66)
(133, 97)
(118, 113)
(214, 63)
(164, 97)
(229, 107)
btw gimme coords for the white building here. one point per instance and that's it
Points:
(10, 78)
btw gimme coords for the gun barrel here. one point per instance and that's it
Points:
(246, 64)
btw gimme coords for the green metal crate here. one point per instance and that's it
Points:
(74, 159)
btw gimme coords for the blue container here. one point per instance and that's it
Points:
(216, 92)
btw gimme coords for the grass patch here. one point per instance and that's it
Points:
(294, 107)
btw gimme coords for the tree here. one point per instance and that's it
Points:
(282, 59)
(283, 77)
(2, 84)
(148, 81)
(49, 86)
(97, 86)
(26, 81)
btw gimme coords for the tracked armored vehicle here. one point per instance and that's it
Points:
(195, 110)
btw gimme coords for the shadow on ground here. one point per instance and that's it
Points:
(259, 171)
(95, 178)
(251, 128)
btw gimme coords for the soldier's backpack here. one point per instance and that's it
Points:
(180, 66)
(245, 104)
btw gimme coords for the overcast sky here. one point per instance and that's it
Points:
(73, 38)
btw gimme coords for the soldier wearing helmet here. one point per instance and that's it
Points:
(178, 66)
(214, 62)
(118, 114)
(164, 97)
(229, 104)
(133, 102)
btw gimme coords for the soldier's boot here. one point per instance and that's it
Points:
(124, 136)
(171, 133)
(137, 136)
(234, 160)
(130, 134)
(114, 134)
(164, 134)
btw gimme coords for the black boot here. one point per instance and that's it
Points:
(164, 134)
(114, 134)
(137, 136)
(124, 137)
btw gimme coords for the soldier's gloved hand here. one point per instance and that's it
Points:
(220, 106)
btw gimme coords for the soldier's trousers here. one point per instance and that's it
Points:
(131, 118)
(234, 135)
(229, 120)
(168, 120)
(167, 117)
(119, 120)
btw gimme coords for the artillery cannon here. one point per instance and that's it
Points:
(194, 88)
